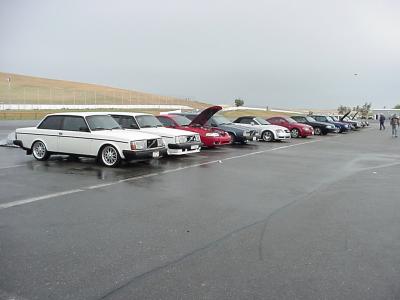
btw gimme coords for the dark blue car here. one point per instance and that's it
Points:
(343, 127)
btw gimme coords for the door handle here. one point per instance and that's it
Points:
(60, 133)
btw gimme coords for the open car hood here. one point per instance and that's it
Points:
(345, 115)
(202, 118)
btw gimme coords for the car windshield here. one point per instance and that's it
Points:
(181, 120)
(262, 121)
(102, 122)
(290, 120)
(148, 121)
(221, 120)
(310, 119)
(331, 119)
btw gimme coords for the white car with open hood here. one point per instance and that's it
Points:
(178, 141)
(87, 134)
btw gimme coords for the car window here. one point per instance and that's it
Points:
(74, 123)
(182, 120)
(128, 122)
(246, 121)
(102, 122)
(261, 121)
(148, 121)
(51, 122)
(320, 119)
(166, 121)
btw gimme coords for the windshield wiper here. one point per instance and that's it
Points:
(146, 126)
(98, 128)
(117, 127)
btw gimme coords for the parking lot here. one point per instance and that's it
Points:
(307, 219)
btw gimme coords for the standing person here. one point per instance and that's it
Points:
(382, 122)
(395, 122)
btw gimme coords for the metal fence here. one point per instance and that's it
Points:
(63, 96)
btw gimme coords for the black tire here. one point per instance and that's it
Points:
(267, 136)
(109, 156)
(233, 137)
(295, 133)
(39, 151)
(318, 131)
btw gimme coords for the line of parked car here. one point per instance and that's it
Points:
(111, 137)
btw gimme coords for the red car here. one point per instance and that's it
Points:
(296, 129)
(210, 137)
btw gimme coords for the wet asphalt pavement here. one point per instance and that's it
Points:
(314, 218)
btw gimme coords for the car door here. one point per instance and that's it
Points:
(75, 136)
(48, 131)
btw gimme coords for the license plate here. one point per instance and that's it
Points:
(193, 147)
(156, 154)
(254, 138)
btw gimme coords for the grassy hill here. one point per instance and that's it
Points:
(23, 89)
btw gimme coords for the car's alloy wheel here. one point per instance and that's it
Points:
(267, 136)
(110, 156)
(39, 151)
(317, 131)
(295, 133)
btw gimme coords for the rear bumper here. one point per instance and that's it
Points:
(132, 155)
(20, 144)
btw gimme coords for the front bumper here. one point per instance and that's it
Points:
(184, 148)
(332, 130)
(216, 141)
(283, 136)
(141, 154)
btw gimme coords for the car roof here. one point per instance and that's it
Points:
(250, 117)
(125, 113)
(80, 114)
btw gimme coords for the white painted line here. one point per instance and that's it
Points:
(10, 167)
(98, 186)
(35, 199)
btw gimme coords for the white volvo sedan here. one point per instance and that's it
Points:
(178, 142)
(87, 134)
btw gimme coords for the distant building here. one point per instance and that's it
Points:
(387, 112)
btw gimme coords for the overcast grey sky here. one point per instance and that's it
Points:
(281, 53)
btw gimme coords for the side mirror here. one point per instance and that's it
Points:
(252, 123)
(134, 126)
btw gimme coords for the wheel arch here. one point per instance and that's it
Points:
(110, 143)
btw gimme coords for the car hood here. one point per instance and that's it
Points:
(205, 115)
(345, 115)
(125, 134)
(166, 132)
(234, 126)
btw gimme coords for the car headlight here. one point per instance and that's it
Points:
(329, 126)
(279, 131)
(138, 145)
(197, 137)
(160, 142)
(181, 139)
(214, 134)
(246, 133)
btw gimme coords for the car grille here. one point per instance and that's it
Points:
(191, 138)
(152, 143)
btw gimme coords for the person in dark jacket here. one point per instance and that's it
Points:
(382, 122)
